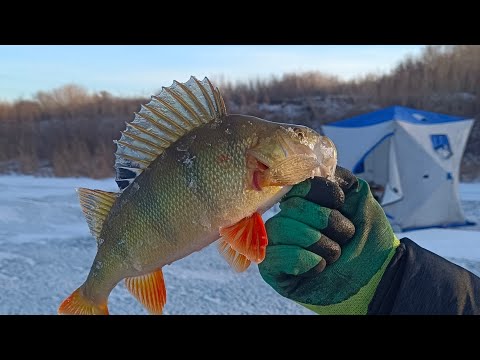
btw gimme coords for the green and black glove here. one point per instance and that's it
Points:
(329, 245)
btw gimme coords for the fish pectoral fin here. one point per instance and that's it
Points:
(290, 171)
(237, 261)
(149, 290)
(248, 237)
(78, 304)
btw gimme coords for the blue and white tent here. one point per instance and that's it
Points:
(411, 158)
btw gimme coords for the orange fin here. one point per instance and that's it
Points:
(236, 260)
(248, 237)
(77, 304)
(149, 289)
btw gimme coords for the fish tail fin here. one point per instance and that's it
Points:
(78, 304)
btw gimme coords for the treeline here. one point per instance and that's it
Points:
(278, 89)
(70, 132)
(67, 132)
(442, 78)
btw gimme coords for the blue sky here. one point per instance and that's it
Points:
(131, 70)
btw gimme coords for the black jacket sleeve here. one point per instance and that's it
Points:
(418, 281)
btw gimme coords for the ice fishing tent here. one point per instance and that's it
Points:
(411, 159)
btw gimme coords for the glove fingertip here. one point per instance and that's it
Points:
(346, 180)
(340, 229)
(327, 249)
(325, 193)
(317, 269)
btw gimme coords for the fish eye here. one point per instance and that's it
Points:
(300, 133)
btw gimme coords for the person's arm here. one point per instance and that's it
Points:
(418, 281)
(332, 250)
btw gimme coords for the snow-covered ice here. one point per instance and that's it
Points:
(46, 252)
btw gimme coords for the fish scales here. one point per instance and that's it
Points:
(191, 191)
(214, 180)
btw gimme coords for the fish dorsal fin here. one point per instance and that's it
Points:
(96, 205)
(174, 112)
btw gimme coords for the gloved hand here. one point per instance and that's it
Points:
(329, 245)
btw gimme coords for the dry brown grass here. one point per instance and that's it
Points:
(72, 131)
(68, 128)
(277, 89)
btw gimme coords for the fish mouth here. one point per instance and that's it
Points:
(326, 151)
(259, 162)
(279, 160)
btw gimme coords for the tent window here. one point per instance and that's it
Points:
(441, 145)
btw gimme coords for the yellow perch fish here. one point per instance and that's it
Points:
(190, 174)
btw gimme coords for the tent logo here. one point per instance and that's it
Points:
(441, 145)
